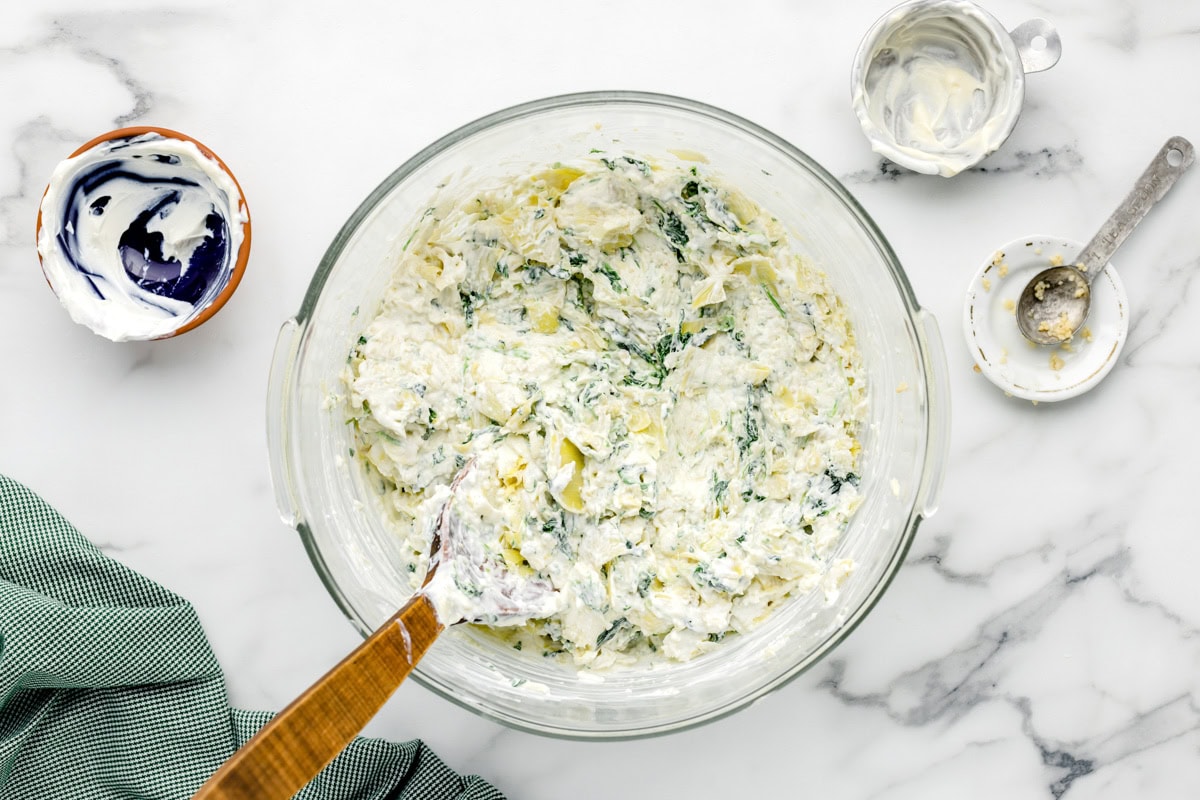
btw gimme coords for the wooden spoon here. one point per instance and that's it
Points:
(302, 739)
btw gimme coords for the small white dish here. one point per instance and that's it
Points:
(1016, 365)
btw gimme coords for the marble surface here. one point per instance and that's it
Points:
(1043, 639)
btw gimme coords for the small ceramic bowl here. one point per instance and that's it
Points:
(143, 233)
(1042, 373)
(938, 84)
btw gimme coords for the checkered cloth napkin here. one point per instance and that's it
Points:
(109, 690)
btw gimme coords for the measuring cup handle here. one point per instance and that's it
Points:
(1040, 58)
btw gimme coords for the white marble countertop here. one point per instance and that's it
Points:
(1043, 639)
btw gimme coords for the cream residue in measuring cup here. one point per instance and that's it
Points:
(938, 89)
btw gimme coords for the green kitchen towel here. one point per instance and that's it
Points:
(109, 690)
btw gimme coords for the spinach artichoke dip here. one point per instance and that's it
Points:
(664, 402)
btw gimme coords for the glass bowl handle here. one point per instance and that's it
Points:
(938, 410)
(283, 363)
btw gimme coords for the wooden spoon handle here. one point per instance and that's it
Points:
(302, 739)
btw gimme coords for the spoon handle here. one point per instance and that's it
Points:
(302, 739)
(1149, 189)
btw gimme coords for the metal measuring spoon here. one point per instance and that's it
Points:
(1055, 303)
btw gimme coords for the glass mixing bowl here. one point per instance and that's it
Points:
(327, 497)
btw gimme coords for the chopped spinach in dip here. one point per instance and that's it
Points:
(666, 398)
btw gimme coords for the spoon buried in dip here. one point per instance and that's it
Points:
(466, 582)
(1055, 302)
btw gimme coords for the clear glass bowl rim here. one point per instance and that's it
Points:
(660, 101)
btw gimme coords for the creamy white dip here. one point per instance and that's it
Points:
(663, 398)
(469, 579)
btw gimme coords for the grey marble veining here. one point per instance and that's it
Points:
(79, 33)
(1159, 317)
(1042, 639)
(1048, 162)
(975, 673)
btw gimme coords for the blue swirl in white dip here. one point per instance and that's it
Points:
(139, 235)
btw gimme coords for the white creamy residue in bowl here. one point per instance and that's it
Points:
(140, 235)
